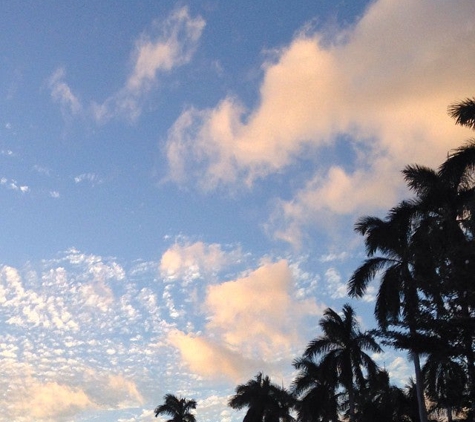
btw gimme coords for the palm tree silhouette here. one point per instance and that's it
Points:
(464, 112)
(266, 402)
(179, 409)
(341, 349)
(314, 388)
(398, 290)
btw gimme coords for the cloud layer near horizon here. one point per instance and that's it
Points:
(383, 85)
(84, 333)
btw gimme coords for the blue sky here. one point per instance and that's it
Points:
(179, 182)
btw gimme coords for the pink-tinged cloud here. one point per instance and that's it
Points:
(47, 402)
(252, 321)
(385, 84)
(208, 358)
(188, 261)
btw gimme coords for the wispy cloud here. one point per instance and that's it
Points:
(169, 43)
(62, 93)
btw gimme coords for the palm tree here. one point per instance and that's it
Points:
(341, 349)
(446, 380)
(314, 388)
(382, 401)
(398, 292)
(179, 409)
(266, 402)
(448, 206)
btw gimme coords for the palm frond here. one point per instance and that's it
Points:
(463, 112)
(364, 274)
(419, 178)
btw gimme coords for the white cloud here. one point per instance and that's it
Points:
(91, 178)
(171, 43)
(336, 288)
(61, 93)
(174, 46)
(386, 87)
(188, 261)
(14, 185)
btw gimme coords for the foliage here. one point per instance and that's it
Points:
(179, 409)
(422, 254)
(266, 402)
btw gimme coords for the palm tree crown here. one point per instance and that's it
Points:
(266, 402)
(179, 409)
(341, 348)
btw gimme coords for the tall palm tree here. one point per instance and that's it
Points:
(341, 349)
(266, 402)
(448, 207)
(314, 388)
(179, 409)
(398, 292)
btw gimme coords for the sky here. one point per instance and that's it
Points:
(179, 183)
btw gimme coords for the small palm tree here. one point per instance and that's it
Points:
(266, 402)
(342, 350)
(179, 409)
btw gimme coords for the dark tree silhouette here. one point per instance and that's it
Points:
(314, 388)
(398, 292)
(179, 409)
(464, 112)
(266, 402)
(341, 349)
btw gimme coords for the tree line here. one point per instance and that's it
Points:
(422, 256)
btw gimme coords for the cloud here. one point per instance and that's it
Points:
(208, 358)
(72, 337)
(336, 287)
(189, 261)
(59, 401)
(48, 401)
(14, 185)
(251, 320)
(379, 92)
(62, 94)
(174, 46)
(171, 43)
(91, 178)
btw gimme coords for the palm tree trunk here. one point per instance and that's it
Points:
(419, 387)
